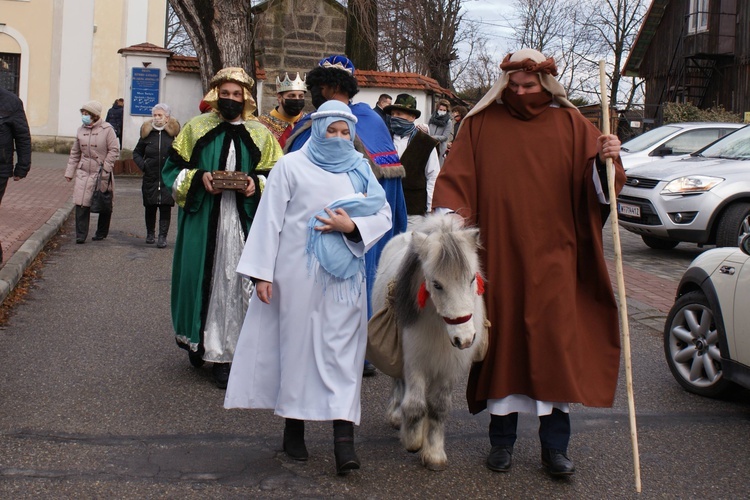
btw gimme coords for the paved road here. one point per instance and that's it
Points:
(97, 401)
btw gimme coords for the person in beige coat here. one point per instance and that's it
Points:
(95, 150)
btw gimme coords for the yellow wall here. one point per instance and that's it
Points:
(34, 21)
(9, 45)
(108, 39)
(157, 21)
(111, 36)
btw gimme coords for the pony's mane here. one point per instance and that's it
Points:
(406, 288)
(450, 257)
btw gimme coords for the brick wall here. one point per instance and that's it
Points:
(293, 35)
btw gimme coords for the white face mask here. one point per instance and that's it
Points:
(441, 112)
(159, 122)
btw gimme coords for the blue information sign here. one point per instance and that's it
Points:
(144, 93)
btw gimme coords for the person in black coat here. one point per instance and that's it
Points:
(14, 136)
(383, 101)
(114, 117)
(150, 154)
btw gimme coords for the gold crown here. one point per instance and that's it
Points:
(287, 84)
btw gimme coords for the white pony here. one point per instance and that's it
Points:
(437, 289)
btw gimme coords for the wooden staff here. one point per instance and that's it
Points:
(623, 309)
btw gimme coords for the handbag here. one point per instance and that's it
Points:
(384, 348)
(101, 202)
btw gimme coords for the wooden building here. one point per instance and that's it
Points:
(695, 51)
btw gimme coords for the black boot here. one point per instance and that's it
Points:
(221, 374)
(294, 439)
(82, 223)
(343, 446)
(163, 230)
(196, 358)
(150, 224)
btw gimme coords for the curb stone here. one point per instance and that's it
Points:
(13, 269)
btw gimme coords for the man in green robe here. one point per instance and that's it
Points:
(209, 298)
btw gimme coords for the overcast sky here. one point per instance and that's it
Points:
(494, 18)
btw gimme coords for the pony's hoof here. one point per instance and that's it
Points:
(395, 422)
(436, 466)
(413, 445)
(436, 460)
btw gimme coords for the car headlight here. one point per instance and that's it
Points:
(692, 184)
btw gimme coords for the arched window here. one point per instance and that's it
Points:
(10, 71)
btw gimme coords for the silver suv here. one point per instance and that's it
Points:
(703, 198)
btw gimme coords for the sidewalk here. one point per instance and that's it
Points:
(32, 211)
(35, 208)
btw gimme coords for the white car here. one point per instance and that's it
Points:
(707, 332)
(672, 141)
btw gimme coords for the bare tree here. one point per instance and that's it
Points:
(176, 38)
(540, 23)
(578, 33)
(362, 33)
(478, 71)
(616, 24)
(420, 36)
(221, 32)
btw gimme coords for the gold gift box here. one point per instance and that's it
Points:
(229, 179)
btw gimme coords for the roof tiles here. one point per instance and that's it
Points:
(406, 81)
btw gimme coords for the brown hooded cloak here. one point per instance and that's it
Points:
(528, 185)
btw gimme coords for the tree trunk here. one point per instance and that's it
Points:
(362, 33)
(221, 32)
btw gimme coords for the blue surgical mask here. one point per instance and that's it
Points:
(86, 119)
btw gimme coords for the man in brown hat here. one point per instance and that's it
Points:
(209, 299)
(529, 170)
(418, 154)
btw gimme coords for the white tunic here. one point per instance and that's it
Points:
(227, 302)
(302, 354)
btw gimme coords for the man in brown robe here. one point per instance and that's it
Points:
(529, 171)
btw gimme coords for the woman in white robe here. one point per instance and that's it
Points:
(302, 344)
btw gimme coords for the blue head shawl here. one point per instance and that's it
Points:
(337, 264)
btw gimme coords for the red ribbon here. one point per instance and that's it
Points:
(423, 295)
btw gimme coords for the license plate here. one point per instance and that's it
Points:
(628, 210)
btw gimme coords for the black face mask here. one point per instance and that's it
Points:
(229, 108)
(292, 107)
(316, 94)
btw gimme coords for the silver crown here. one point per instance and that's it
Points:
(287, 84)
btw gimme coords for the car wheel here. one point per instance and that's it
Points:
(733, 225)
(691, 346)
(659, 243)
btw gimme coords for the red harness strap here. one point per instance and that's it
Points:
(423, 295)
